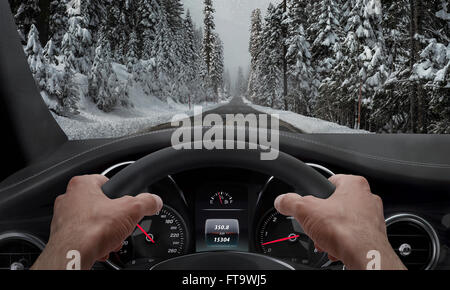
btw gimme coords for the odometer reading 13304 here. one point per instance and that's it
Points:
(155, 238)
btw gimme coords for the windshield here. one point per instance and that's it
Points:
(114, 68)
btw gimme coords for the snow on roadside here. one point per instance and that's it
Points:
(146, 112)
(306, 124)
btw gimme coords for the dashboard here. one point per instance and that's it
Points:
(224, 210)
(218, 209)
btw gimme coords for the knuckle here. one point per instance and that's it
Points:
(135, 205)
(299, 205)
(361, 181)
(74, 181)
(378, 200)
(59, 199)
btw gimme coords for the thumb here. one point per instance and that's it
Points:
(142, 205)
(294, 205)
(151, 204)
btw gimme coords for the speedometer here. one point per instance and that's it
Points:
(283, 238)
(155, 238)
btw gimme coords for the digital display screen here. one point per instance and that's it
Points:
(221, 218)
(221, 233)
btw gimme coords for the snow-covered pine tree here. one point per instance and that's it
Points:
(217, 65)
(208, 34)
(50, 52)
(227, 84)
(391, 102)
(26, 15)
(95, 12)
(409, 100)
(132, 56)
(164, 56)
(324, 31)
(432, 72)
(362, 67)
(191, 62)
(77, 41)
(35, 57)
(240, 87)
(104, 87)
(255, 48)
(58, 21)
(174, 13)
(299, 60)
(150, 13)
(269, 66)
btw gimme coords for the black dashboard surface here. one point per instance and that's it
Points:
(410, 173)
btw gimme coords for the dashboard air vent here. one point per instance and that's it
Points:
(19, 251)
(414, 240)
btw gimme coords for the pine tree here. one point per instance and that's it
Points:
(26, 15)
(299, 60)
(269, 66)
(76, 43)
(58, 21)
(241, 84)
(208, 34)
(150, 16)
(217, 66)
(324, 33)
(103, 83)
(361, 69)
(255, 48)
(36, 61)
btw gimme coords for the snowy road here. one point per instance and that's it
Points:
(235, 106)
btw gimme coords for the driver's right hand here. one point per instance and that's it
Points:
(348, 225)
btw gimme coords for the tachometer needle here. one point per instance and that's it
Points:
(281, 240)
(220, 198)
(145, 233)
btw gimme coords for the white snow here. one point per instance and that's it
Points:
(306, 124)
(147, 112)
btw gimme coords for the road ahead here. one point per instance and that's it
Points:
(235, 106)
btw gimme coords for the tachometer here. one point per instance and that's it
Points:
(156, 238)
(283, 238)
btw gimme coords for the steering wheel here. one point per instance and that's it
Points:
(158, 165)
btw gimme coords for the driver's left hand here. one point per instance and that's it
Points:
(89, 222)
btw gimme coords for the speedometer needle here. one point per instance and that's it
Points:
(281, 240)
(145, 233)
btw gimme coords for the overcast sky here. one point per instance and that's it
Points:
(233, 25)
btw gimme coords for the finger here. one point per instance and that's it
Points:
(137, 207)
(319, 249)
(151, 203)
(332, 259)
(337, 179)
(103, 259)
(98, 180)
(118, 248)
(295, 205)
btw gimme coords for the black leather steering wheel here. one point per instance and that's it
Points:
(158, 165)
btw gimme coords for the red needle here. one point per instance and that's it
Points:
(220, 199)
(281, 240)
(145, 233)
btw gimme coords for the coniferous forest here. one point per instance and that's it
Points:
(68, 41)
(377, 65)
(382, 66)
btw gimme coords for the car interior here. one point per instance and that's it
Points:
(218, 204)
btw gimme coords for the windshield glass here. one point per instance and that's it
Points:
(114, 68)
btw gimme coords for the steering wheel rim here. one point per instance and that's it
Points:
(169, 161)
